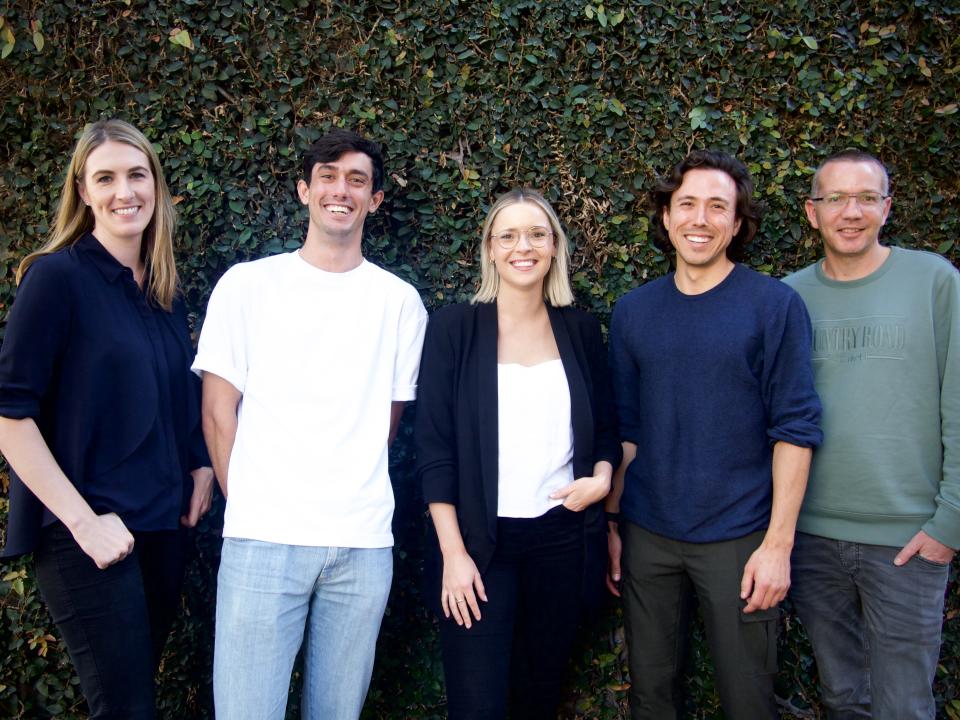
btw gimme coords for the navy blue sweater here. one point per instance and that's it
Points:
(705, 385)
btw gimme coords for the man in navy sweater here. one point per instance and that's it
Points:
(718, 418)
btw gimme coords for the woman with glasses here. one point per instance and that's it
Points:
(100, 419)
(516, 444)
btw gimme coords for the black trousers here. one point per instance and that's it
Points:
(114, 621)
(529, 623)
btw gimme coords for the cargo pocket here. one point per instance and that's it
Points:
(759, 641)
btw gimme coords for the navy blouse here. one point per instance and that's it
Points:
(106, 376)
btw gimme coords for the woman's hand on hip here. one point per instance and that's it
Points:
(583, 492)
(461, 588)
(104, 538)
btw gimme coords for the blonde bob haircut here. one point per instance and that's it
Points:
(556, 285)
(74, 219)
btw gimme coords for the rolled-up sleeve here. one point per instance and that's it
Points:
(793, 406)
(37, 333)
(413, 323)
(222, 349)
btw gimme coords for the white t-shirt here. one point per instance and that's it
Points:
(535, 437)
(319, 357)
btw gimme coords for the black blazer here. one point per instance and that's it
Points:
(456, 424)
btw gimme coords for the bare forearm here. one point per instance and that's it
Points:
(604, 470)
(28, 454)
(766, 576)
(220, 403)
(461, 587)
(220, 434)
(445, 521)
(396, 412)
(612, 503)
(791, 467)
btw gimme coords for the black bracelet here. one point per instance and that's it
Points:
(613, 517)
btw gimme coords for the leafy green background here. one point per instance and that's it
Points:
(586, 101)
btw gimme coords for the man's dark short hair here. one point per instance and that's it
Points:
(749, 212)
(332, 146)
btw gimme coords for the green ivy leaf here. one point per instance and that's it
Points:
(698, 117)
(181, 38)
(9, 41)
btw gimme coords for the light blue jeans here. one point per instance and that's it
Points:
(268, 595)
(875, 627)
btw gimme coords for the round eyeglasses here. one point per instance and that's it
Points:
(538, 237)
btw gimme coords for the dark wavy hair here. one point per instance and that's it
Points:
(338, 142)
(749, 211)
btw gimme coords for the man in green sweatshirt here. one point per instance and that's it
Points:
(881, 518)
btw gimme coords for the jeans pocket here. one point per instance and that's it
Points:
(931, 563)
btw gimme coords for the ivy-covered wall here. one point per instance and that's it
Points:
(586, 101)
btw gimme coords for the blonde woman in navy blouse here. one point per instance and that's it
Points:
(99, 419)
(516, 445)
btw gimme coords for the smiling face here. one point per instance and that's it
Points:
(340, 196)
(120, 191)
(702, 220)
(522, 267)
(850, 232)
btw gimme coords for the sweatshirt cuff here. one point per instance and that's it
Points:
(944, 526)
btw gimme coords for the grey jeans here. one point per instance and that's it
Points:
(875, 627)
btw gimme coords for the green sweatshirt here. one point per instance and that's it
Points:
(886, 361)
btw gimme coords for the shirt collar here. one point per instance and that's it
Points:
(106, 263)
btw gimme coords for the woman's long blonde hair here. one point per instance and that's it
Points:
(74, 218)
(556, 285)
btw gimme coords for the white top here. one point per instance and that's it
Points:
(318, 357)
(535, 437)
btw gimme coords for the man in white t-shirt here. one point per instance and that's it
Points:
(307, 359)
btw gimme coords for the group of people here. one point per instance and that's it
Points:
(675, 471)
